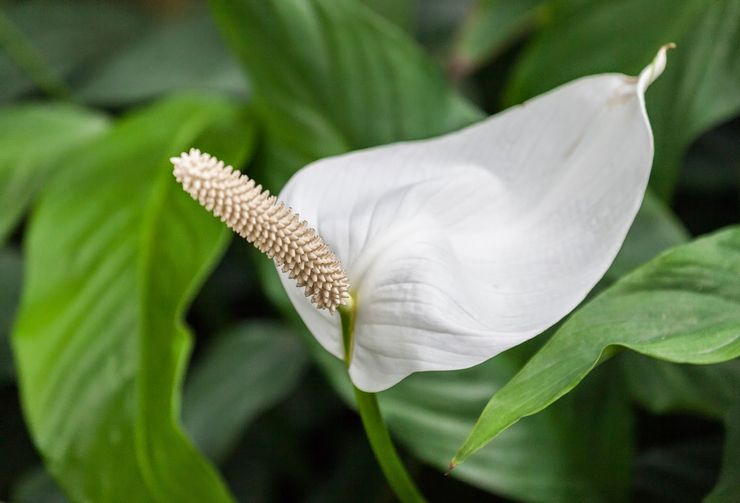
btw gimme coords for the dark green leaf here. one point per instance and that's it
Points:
(489, 27)
(700, 87)
(438, 22)
(664, 387)
(185, 54)
(711, 390)
(399, 12)
(583, 445)
(115, 252)
(699, 90)
(68, 35)
(331, 75)
(33, 139)
(682, 306)
(243, 373)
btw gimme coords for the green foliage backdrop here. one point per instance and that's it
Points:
(112, 280)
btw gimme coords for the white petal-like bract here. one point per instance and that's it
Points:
(460, 247)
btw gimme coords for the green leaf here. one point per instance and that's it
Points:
(699, 89)
(710, 390)
(575, 459)
(10, 289)
(68, 36)
(490, 26)
(115, 252)
(701, 85)
(399, 12)
(345, 78)
(33, 139)
(680, 307)
(243, 373)
(184, 54)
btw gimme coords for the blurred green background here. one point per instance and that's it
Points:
(102, 257)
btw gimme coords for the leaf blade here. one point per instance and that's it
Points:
(99, 342)
(692, 317)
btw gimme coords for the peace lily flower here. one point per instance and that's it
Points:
(448, 251)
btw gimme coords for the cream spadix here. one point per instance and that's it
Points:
(272, 227)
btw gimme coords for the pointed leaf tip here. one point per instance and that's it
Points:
(651, 72)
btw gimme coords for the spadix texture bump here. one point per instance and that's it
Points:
(460, 247)
(272, 227)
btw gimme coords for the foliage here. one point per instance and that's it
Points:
(635, 395)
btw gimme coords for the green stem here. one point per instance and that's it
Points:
(375, 428)
(30, 60)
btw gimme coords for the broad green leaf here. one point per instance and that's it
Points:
(183, 54)
(68, 36)
(728, 486)
(697, 92)
(242, 373)
(596, 36)
(682, 306)
(115, 252)
(584, 445)
(345, 78)
(575, 459)
(33, 139)
(10, 289)
(701, 85)
(489, 27)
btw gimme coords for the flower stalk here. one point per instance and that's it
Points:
(375, 428)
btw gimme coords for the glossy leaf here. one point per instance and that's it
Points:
(700, 88)
(115, 252)
(183, 54)
(33, 139)
(242, 373)
(345, 78)
(681, 307)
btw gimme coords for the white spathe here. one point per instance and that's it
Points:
(460, 247)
